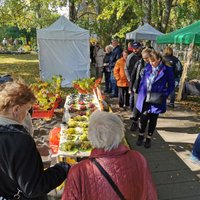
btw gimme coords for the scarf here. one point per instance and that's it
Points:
(153, 75)
(27, 124)
(6, 121)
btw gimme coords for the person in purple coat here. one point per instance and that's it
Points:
(157, 78)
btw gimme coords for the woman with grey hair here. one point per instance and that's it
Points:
(127, 169)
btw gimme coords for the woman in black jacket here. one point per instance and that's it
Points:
(21, 169)
(107, 68)
(175, 63)
(135, 78)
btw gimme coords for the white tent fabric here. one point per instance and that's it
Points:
(64, 50)
(145, 32)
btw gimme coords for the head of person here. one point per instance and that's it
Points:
(106, 130)
(155, 58)
(114, 43)
(108, 48)
(168, 51)
(145, 54)
(97, 45)
(125, 54)
(16, 99)
(136, 47)
(130, 47)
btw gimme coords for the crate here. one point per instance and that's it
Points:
(43, 113)
(57, 102)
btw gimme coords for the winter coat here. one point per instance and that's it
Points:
(99, 55)
(116, 54)
(176, 65)
(21, 166)
(127, 168)
(106, 62)
(130, 64)
(164, 83)
(119, 73)
(136, 75)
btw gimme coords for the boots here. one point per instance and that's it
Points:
(140, 140)
(147, 143)
(134, 126)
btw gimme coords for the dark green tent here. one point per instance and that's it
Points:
(184, 35)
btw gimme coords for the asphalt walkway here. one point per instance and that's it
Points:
(175, 176)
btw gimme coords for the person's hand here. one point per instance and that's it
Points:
(65, 166)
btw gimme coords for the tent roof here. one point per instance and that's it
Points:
(184, 35)
(145, 32)
(63, 29)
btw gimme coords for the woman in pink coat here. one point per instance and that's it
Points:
(127, 168)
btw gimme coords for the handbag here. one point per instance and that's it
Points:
(108, 178)
(153, 97)
(17, 196)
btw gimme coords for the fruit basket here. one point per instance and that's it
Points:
(57, 102)
(86, 85)
(43, 113)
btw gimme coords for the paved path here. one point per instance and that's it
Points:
(175, 176)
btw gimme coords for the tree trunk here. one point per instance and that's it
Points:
(146, 5)
(149, 11)
(185, 69)
(72, 11)
(160, 14)
(167, 14)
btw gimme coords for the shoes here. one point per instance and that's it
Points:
(147, 143)
(171, 105)
(134, 126)
(140, 140)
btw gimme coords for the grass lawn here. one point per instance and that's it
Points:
(25, 66)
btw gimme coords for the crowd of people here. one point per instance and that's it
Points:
(142, 79)
(24, 177)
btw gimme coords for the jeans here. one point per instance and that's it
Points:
(172, 94)
(114, 87)
(107, 82)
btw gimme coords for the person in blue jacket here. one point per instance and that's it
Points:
(157, 78)
(115, 55)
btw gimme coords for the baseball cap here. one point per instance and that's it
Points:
(136, 45)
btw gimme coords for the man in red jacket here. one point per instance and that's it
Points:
(127, 168)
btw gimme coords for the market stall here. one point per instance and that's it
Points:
(73, 142)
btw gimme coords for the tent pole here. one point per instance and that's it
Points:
(185, 70)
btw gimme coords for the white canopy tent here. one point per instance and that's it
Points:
(64, 50)
(145, 32)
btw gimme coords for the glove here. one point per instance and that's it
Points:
(65, 166)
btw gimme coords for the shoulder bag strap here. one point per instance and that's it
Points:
(108, 178)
